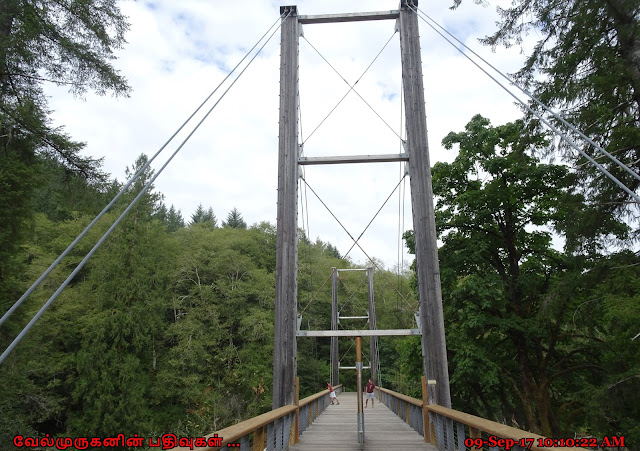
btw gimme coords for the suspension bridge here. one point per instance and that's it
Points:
(397, 421)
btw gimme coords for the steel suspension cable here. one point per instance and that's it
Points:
(535, 99)
(44, 275)
(400, 167)
(351, 88)
(124, 213)
(542, 119)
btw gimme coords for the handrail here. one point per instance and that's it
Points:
(409, 399)
(309, 399)
(235, 432)
(474, 423)
(488, 426)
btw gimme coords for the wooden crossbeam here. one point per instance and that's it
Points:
(349, 17)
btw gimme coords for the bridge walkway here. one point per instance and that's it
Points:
(336, 429)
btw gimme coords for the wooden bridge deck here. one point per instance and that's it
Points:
(336, 429)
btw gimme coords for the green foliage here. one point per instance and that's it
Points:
(528, 331)
(202, 216)
(174, 219)
(234, 220)
(586, 65)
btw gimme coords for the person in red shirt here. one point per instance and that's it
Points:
(370, 389)
(332, 394)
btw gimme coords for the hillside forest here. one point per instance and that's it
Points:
(169, 326)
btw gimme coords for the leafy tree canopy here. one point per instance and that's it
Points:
(66, 43)
(586, 65)
(522, 345)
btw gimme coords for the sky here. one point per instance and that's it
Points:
(179, 51)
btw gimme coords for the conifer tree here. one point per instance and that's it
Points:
(174, 219)
(202, 216)
(234, 220)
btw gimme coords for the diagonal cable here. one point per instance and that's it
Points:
(356, 243)
(351, 294)
(313, 297)
(44, 275)
(542, 119)
(351, 88)
(375, 216)
(124, 213)
(534, 98)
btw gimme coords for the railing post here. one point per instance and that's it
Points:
(297, 400)
(259, 437)
(359, 388)
(475, 433)
(425, 411)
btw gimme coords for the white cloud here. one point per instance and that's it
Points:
(179, 51)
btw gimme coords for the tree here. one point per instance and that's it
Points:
(65, 43)
(202, 216)
(586, 65)
(174, 219)
(496, 267)
(123, 330)
(61, 42)
(234, 220)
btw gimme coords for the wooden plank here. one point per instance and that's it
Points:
(336, 429)
(284, 352)
(358, 333)
(348, 17)
(382, 158)
(427, 266)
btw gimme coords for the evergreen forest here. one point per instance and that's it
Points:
(169, 326)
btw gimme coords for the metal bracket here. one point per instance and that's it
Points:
(286, 9)
(417, 317)
(299, 320)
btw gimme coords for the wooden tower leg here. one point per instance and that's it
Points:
(284, 352)
(434, 352)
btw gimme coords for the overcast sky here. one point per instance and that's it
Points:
(178, 51)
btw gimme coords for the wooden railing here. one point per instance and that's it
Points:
(275, 430)
(450, 430)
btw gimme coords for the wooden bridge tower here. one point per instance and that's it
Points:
(417, 153)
